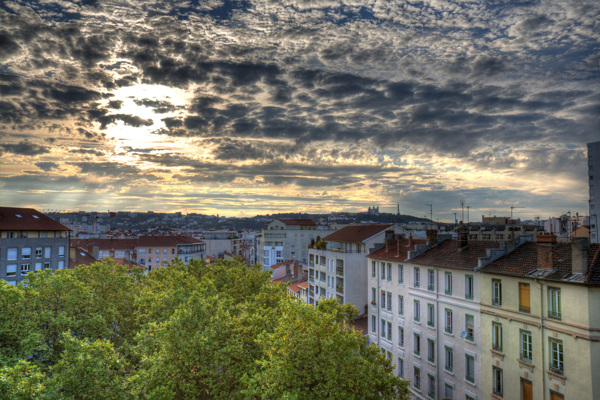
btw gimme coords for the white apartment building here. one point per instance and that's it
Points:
(287, 239)
(425, 314)
(339, 270)
(593, 169)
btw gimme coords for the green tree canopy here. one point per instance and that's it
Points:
(196, 331)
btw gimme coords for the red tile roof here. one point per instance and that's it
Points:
(303, 285)
(105, 244)
(166, 241)
(523, 262)
(283, 264)
(447, 255)
(392, 253)
(356, 233)
(296, 286)
(27, 219)
(82, 257)
(300, 222)
(129, 264)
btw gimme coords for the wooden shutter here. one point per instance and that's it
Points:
(524, 297)
(526, 390)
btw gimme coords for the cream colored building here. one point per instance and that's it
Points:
(540, 322)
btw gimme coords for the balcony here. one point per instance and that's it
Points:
(339, 288)
(340, 271)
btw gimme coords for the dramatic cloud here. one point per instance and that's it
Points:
(294, 105)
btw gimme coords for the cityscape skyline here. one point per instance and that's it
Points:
(243, 108)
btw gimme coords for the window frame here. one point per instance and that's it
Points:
(417, 277)
(526, 345)
(469, 377)
(556, 365)
(431, 350)
(470, 334)
(430, 315)
(448, 283)
(497, 381)
(448, 358)
(400, 336)
(497, 336)
(448, 320)
(417, 310)
(417, 344)
(431, 280)
(497, 292)
(400, 305)
(554, 296)
(523, 308)
(469, 286)
(401, 273)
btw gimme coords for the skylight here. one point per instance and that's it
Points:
(18, 215)
(36, 216)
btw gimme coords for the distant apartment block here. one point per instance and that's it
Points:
(287, 239)
(339, 271)
(540, 322)
(594, 170)
(30, 241)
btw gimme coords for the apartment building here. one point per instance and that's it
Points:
(339, 271)
(434, 338)
(540, 322)
(30, 241)
(287, 239)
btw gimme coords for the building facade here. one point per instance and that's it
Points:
(540, 321)
(431, 329)
(287, 239)
(30, 241)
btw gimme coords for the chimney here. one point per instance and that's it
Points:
(398, 242)
(579, 255)
(544, 251)
(431, 236)
(389, 239)
(463, 236)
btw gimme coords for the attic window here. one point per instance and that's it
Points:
(18, 215)
(36, 217)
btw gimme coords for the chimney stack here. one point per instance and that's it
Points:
(463, 236)
(579, 255)
(398, 242)
(545, 257)
(432, 236)
(389, 239)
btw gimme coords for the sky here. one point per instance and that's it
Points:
(241, 108)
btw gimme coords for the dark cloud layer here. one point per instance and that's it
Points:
(303, 95)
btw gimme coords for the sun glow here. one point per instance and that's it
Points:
(147, 106)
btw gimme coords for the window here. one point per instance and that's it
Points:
(38, 252)
(430, 315)
(400, 368)
(524, 297)
(431, 350)
(556, 356)
(389, 272)
(469, 287)
(470, 368)
(469, 327)
(47, 252)
(26, 253)
(448, 321)
(496, 292)
(389, 301)
(383, 329)
(417, 311)
(149, 251)
(497, 380)
(389, 331)
(11, 254)
(164, 251)
(373, 269)
(400, 273)
(373, 295)
(431, 386)
(417, 343)
(38, 266)
(448, 283)
(430, 279)
(11, 270)
(25, 268)
(554, 303)
(46, 265)
(373, 324)
(417, 381)
(61, 251)
(400, 305)
(448, 391)
(383, 299)
(142, 251)
(61, 264)
(497, 336)
(172, 251)
(417, 277)
(449, 355)
(382, 271)
(526, 346)
(401, 336)
(142, 260)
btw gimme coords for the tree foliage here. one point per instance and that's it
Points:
(196, 331)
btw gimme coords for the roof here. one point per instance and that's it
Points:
(446, 254)
(166, 241)
(406, 245)
(283, 264)
(82, 257)
(27, 219)
(105, 244)
(296, 286)
(129, 264)
(357, 233)
(303, 285)
(300, 222)
(361, 324)
(523, 262)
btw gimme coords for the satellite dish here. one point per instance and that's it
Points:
(463, 334)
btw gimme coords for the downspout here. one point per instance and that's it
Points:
(378, 304)
(543, 341)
